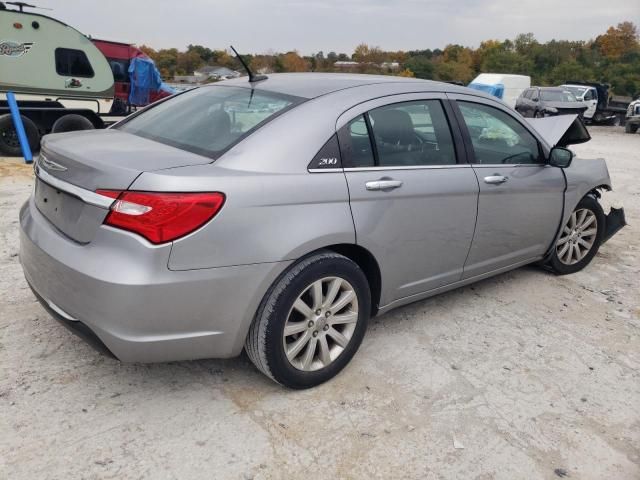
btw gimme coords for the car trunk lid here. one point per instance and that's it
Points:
(72, 166)
(110, 159)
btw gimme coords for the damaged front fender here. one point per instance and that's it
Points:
(586, 177)
(583, 177)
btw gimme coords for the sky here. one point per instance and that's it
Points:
(310, 26)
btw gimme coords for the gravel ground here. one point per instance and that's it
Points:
(525, 375)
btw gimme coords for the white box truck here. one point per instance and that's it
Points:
(505, 86)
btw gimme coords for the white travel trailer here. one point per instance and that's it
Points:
(505, 86)
(58, 75)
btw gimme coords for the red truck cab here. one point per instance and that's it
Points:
(119, 55)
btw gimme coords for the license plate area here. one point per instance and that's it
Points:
(69, 214)
(49, 200)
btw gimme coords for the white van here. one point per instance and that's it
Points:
(505, 86)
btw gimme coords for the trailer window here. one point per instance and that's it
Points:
(73, 63)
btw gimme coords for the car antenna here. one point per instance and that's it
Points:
(252, 78)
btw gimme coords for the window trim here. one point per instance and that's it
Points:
(471, 154)
(55, 55)
(459, 148)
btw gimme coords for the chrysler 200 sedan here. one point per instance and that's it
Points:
(279, 215)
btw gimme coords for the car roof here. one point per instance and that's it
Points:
(312, 85)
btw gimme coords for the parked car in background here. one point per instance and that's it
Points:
(278, 215)
(538, 102)
(506, 87)
(633, 117)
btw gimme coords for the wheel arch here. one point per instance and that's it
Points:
(570, 203)
(368, 264)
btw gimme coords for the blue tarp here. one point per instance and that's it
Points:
(145, 78)
(497, 90)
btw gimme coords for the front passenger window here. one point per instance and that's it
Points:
(497, 137)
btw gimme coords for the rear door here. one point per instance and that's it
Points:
(413, 203)
(521, 197)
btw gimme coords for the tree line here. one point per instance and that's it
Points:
(613, 58)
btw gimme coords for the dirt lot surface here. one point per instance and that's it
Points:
(522, 376)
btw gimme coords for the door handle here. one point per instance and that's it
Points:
(495, 179)
(383, 184)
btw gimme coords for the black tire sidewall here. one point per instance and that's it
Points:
(280, 368)
(31, 130)
(560, 268)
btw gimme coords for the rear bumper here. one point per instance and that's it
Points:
(118, 290)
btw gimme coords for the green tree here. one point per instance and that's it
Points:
(421, 66)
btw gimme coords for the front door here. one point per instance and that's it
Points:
(591, 99)
(413, 204)
(521, 197)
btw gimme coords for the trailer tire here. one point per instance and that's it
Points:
(71, 123)
(9, 144)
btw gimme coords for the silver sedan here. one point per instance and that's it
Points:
(279, 215)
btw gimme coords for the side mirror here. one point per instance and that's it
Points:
(560, 157)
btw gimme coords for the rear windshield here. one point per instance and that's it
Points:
(209, 120)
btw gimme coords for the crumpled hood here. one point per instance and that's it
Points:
(561, 130)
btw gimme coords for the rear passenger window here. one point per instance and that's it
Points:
(72, 63)
(497, 137)
(355, 144)
(412, 134)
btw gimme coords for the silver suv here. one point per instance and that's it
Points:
(279, 215)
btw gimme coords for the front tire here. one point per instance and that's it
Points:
(579, 239)
(311, 322)
(630, 128)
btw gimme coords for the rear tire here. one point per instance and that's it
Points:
(320, 342)
(580, 238)
(71, 123)
(9, 144)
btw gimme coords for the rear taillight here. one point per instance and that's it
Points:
(161, 217)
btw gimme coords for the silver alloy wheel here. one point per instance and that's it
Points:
(578, 236)
(320, 324)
